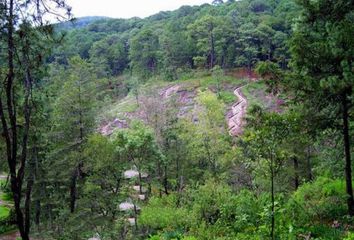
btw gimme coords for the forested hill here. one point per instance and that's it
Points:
(231, 34)
(77, 23)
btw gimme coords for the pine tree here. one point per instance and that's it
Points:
(322, 49)
(73, 122)
(23, 50)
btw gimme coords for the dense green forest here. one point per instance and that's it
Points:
(229, 120)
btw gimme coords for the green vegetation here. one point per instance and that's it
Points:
(212, 211)
(227, 97)
(131, 128)
(4, 212)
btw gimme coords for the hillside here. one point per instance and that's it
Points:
(155, 98)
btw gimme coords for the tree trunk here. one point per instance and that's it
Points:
(212, 50)
(296, 173)
(77, 171)
(37, 213)
(28, 204)
(165, 180)
(19, 214)
(11, 137)
(272, 198)
(73, 190)
(308, 164)
(348, 167)
(178, 167)
(140, 183)
(136, 217)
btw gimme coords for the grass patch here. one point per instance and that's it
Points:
(253, 92)
(227, 97)
(4, 212)
(126, 105)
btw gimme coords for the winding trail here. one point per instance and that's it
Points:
(236, 122)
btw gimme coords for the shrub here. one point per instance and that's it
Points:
(322, 200)
(162, 213)
(227, 97)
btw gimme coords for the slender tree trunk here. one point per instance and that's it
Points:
(160, 178)
(73, 190)
(308, 164)
(140, 183)
(28, 204)
(27, 115)
(272, 198)
(10, 134)
(348, 167)
(78, 169)
(212, 50)
(165, 180)
(177, 171)
(135, 217)
(37, 213)
(249, 67)
(296, 172)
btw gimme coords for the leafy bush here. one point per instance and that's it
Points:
(227, 97)
(350, 236)
(213, 211)
(322, 200)
(7, 220)
(5, 186)
(4, 212)
(163, 213)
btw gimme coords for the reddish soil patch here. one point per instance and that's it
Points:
(243, 73)
(10, 236)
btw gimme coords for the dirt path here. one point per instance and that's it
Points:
(236, 122)
(10, 236)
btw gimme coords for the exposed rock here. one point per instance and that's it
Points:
(131, 221)
(128, 206)
(137, 188)
(108, 128)
(142, 197)
(169, 91)
(134, 174)
(96, 237)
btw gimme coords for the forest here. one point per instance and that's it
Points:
(232, 120)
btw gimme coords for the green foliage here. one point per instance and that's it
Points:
(209, 33)
(201, 183)
(322, 200)
(137, 145)
(143, 53)
(7, 220)
(350, 236)
(227, 97)
(236, 33)
(6, 196)
(75, 103)
(4, 212)
(163, 213)
(272, 74)
(111, 54)
(206, 142)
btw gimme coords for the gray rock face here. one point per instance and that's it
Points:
(129, 174)
(127, 206)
